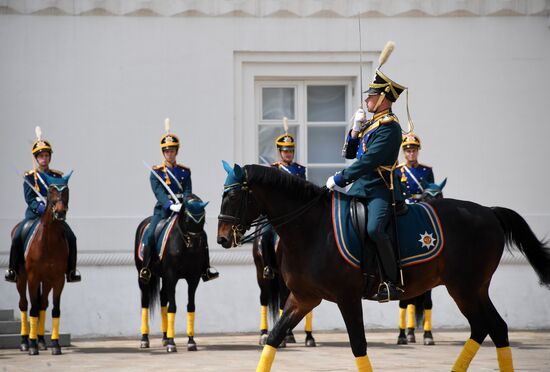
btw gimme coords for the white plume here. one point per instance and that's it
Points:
(388, 49)
(285, 124)
(167, 125)
(38, 132)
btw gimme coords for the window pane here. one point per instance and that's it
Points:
(277, 103)
(319, 175)
(266, 142)
(326, 103)
(324, 144)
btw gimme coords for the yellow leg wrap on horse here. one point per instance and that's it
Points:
(144, 321)
(42, 323)
(363, 364)
(280, 313)
(190, 324)
(263, 319)
(55, 328)
(410, 316)
(504, 356)
(266, 360)
(308, 327)
(427, 320)
(171, 321)
(163, 319)
(466, 355)
(402, 318)
(34, 327)
(24, 324)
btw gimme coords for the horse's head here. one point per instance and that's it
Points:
(58, 196)
(238, 209)
(194, 214)
(433, 191)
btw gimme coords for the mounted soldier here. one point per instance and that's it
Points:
(178, 178)
(413, 176)
(286, 146)
(35, 189)
(375, 144)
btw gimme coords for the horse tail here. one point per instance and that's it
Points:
(518, 232)
(419, 309)
(273, 297)
(154, 290)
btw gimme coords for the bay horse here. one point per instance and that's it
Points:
(185, 257)
(44, 269)
(419, 308)
(313, 269)
(273, 291)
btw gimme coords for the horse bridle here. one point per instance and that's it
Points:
(52, 202)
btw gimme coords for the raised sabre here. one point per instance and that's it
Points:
(162, 182)
(42, 199)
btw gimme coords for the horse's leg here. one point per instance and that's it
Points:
(56, 315)
(34, 296)
(264, 325)
(164, 314)
(23, 307)
(46, 288)
(402, 337)
(498, 331)
(144, 315)
(411, 317)
(308, 328)
(192, 285)
(352, 312)
(171, 316)
(428, 337)
(283, 296)
(470, 304)
(292, 314)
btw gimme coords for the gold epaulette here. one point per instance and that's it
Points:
(56, 172)
(400, 165)
(183, 167)
(388, 118)
(28, 173)
(157, 167)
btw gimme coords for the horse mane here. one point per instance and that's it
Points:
(293, 186)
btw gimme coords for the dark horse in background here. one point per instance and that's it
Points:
(313, 268)
(273, 291)
(416, 309)
(44, 269)
(185, 257)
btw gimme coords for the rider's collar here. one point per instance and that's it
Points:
(381, 114)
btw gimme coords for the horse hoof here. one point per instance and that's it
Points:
(33, 351)
(402, 341)
(164, 342)
(290, 339)
(24, 347)
(428, 338)
(310, 342)
(144, 345)
(282, 344)
(56, 350)
(192, 347)
(171, 349)
(410, 336)
(263, 339)
(42, 345)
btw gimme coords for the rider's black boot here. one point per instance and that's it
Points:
(388, 290)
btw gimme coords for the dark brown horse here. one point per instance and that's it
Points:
(313, 269)
(44, 269)
(273, 291)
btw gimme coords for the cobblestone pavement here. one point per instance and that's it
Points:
(531, 352)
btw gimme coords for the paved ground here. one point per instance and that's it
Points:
(531, 351)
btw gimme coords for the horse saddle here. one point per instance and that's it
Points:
(418, 231)
(160, 235)
(27, 233)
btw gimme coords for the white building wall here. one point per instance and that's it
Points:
(101, 86)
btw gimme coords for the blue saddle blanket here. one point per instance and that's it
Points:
(30, 236)
(162, 239)
(419, 233)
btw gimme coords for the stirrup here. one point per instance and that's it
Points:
(73, 276)
(144, 275)
(11, 276)
(388, 291)
(210, 274)
(268, 273)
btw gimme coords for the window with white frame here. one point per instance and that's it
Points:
(317, 112)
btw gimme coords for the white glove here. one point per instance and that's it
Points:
(330, 183)
(175, 208)
(358, 119)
